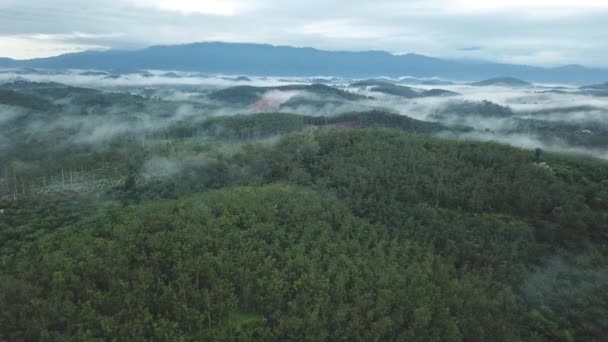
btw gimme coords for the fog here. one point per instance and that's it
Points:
(159, 167)
(148, 78)
(562, 121)
(10, 113)
(581, 114)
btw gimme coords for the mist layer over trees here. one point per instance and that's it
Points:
(167, 206)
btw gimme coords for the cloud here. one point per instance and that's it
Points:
(34, 47)
(69, 36)
(500, 5)
(345, 29)
(543, 32)
(209, 7)
(563, 116)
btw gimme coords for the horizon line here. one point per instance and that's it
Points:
(455, 59)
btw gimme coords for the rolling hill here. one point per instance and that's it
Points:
(401, 91)
(603, 86)
(502, 82)
(274, 97)
(264, 60)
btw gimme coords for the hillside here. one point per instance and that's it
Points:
(502, 82)
(333, 233)
(603, 86)
(139, 217)
(250, 95)
(12, 98)
(258, 59)
(401, 91)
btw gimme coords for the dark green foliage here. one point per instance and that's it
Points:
(359, 226)
(48, 90)
(585, 134)
(399, 237)
(253, 126)
(300, 263)
(107, 100)
(502, 81)
(31, 219)
(380, 172)
(438, 92)
(470, 108)
(249, 95)
(12, 98)
(401, 91)
(570, 290)
(537, 155)
(603, 86)
(244, 95)
(564, 110)
(396, 90)
(381, 119)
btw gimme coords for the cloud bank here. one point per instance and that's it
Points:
(545, 33)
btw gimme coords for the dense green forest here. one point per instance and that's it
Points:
(401, 91)
(361, 226)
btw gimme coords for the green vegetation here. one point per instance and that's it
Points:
(11, 98)
(264, 125)
(249, 95)
(460, 109)
(603, 86)
(278, 227)
(503, 82)
(401, 91)
(587, 134)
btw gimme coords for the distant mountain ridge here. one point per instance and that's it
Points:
(269, 60)
(502, 81)
(603, 86)
(401, 91)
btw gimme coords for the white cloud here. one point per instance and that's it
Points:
(210, 7)
(37, 45)
(344, 29)
(497, 5)
(26, 48)
(69, 36)
(540, 32)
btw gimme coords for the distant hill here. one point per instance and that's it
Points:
(460, 109)
(94, 73)
(255, 126)
(565, 110)
(603, 86)
(249, 95)
(237, 79)
(401, 91)
(49, 90)
(13, 98)
(8, 63)
(265, 60)
(370, 83)
(22, 84)
(503, 82)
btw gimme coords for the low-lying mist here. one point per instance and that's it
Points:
(565, 120)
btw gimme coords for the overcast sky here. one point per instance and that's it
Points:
(538, 32)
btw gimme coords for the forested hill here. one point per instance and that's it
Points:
(328, 233)
(126, 215)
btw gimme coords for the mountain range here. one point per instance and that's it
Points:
(269, 60)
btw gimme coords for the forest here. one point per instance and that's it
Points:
(130, 216)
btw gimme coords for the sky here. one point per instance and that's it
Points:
(535, 32)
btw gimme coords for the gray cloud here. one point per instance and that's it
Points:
(540, 33)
